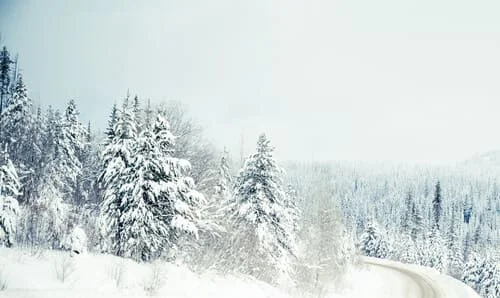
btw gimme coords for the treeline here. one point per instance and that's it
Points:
(151, 187)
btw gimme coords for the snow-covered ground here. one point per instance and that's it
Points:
(108, 276)
(384, 278)
(56, 274)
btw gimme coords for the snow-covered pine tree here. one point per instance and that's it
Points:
(148, 115)
(455, 257)
(407, 250)
(90, 168)
(437, 208)
(118, 157)
(145, 228)
(406, 220)
(110, 129)
(473, 271)
(190, 144)
(138, 114)
(17, 128)
(372, 242)
(36, 158)
(50, 210)
(148, 201)
(215, 211)
(482, 274)
(416, 223)
(224, 182)
(435, 252)
(9, 207)
(490, 279)
(72, 143)
(183, 202)
(264, 240)
(5, 77)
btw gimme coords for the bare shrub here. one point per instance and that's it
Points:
(64, 267)
(3, 279)
(37, 251)
(155, 280)
(117, 272)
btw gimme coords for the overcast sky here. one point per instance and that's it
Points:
(415, 81)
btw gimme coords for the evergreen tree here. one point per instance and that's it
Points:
(417, 225)
(72, 145)
(17, 122)
(148, 115)
(467, 247)
(138, 113)
(406, 221)
(265, 239)
(148, 201)
(435, 252)
(183, 201)
(372, 242)
(483, 275)
(18, 135)
(9, 207)
(117, 158)
(5, 77)
(436, 205)
(142, 194)
(224, 178)
(90, 170)
(110, 130)
(455, 257)
(51, 210)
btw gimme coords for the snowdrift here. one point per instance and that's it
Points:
(55, 274)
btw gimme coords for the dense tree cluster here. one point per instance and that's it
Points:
(151, 187)
(430, 216)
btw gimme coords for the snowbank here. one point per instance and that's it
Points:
(57, 275)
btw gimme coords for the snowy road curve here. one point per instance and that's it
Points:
(390, 279)
(421, 286)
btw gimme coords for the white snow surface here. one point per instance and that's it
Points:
(29, 275)
(34, 274)
(387, 279)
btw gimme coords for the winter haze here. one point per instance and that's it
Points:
(327, 80)
(230, 148)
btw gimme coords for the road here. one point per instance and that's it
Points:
(418, 286)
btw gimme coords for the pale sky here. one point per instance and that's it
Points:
(415, 81)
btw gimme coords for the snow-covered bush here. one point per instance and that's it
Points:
(76, 241)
